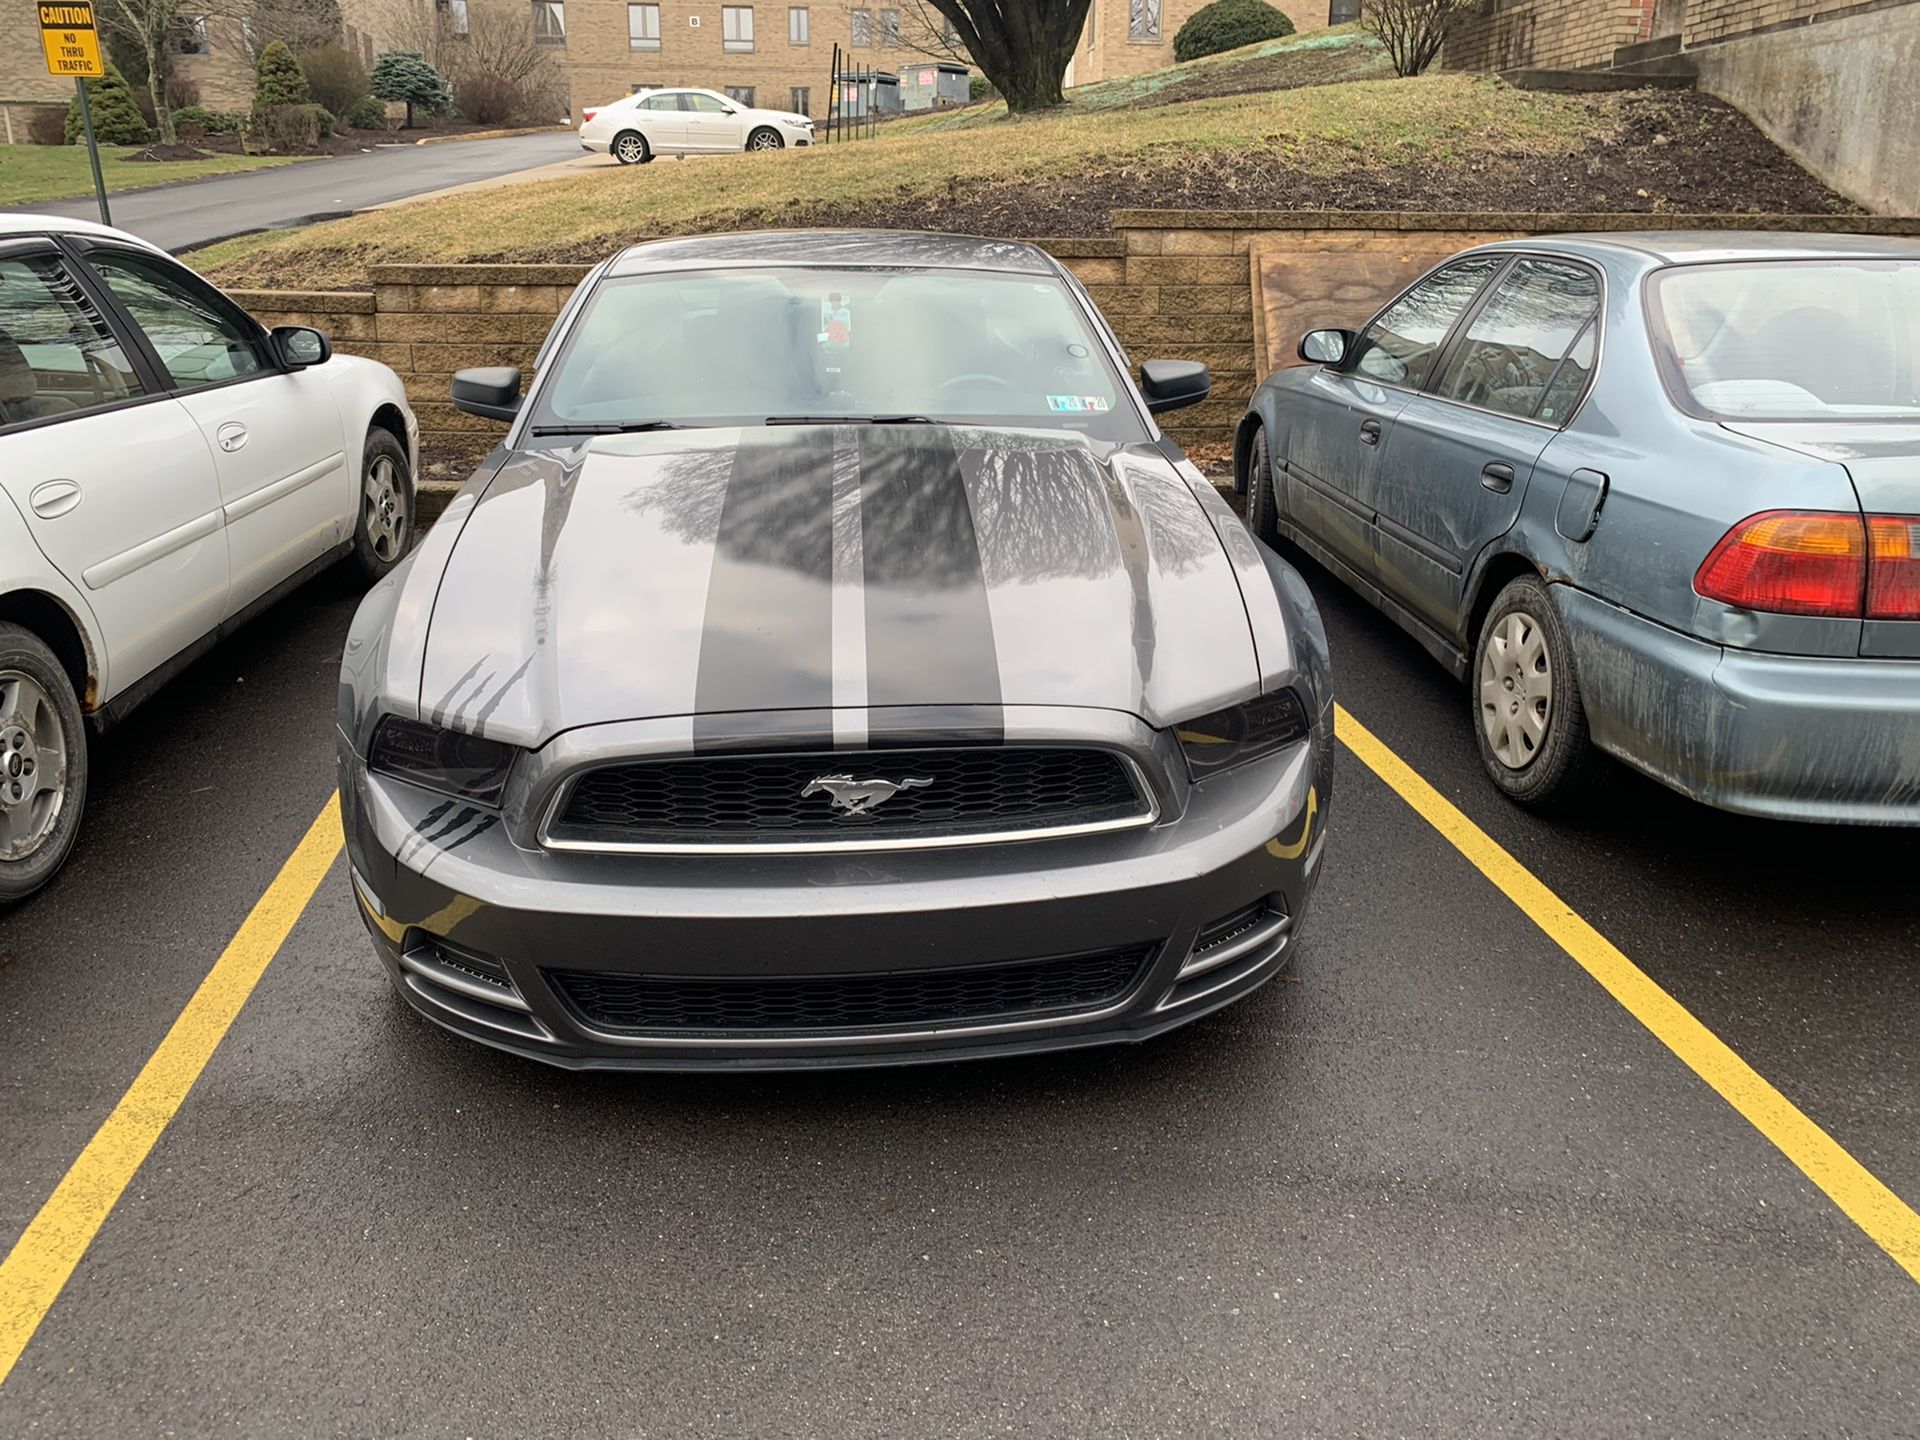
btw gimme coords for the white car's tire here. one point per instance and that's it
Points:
(630, 148)
(43, 764)
(383, 532)
(766, 138)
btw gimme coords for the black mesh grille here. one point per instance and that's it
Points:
(848, 1002)
(744, 798)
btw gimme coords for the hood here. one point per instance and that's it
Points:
(1882, 456)
(803, 567)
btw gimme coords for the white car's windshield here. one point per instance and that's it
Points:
(739, 347)
(1793, 340)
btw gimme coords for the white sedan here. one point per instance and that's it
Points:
(687, 122)
(170, 467)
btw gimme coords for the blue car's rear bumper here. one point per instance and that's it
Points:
(1786, 736)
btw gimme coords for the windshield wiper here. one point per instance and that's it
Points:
(853, 420)
(628, 427)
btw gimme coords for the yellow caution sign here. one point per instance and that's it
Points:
(68, 36)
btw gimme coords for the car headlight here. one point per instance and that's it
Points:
(1234, 736)
(469, 766)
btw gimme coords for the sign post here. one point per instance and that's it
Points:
(72, 43)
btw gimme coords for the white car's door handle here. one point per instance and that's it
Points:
(232, 436)
(54, 498)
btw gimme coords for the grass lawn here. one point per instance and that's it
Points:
(1441, 119)
(30, 173)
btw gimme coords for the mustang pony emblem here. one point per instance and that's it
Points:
(859, 797)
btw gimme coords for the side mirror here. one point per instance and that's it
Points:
(492, 392)
(1326, 347)
(298, 347)
(1174, 384)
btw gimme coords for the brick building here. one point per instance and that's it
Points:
(25, 85)
(1125, 37)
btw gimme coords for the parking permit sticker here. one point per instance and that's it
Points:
(1095, 402)
(1065, 402)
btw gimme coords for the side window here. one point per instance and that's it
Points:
(705, 104)
(1513, 349)
(661, 102)
(1569, 382)
(57, 356)
(1398, 348)
(198, 340)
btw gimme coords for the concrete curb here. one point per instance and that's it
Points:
(491, 134)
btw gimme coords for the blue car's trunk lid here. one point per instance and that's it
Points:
(1883, 459)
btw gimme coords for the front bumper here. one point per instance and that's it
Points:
(1785, 736)
(437, 890)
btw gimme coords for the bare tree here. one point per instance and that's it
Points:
(1023, 46)
(155, 28)
(922, 30)
(1413, 31)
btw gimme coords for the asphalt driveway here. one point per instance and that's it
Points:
(198, 212)
(1435, 1181)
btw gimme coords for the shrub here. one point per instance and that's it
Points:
(279, 80)
(290, 129)
(323, 120)
(337, 78)
(488, 99)
(405, 75)
(1413, 31)
(48, 126)
(1227, 25)
(979, 87)
(182, 94)
(116, 119)
(368, 114)
(211, 122)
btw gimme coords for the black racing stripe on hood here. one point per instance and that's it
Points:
(767, 637)
(929, 629)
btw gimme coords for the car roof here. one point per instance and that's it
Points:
(834, 248)
(11, 225)
(1710, 247)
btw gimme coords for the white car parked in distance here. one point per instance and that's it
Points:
(169, 467)
(687, 122)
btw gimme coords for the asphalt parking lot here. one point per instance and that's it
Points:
(1435, 1181)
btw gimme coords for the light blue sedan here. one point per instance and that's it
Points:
(1653, 495)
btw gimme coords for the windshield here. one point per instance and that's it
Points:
(740, 347)
(1792, 340)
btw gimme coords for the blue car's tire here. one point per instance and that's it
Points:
(1263, 517)
(1528, 719)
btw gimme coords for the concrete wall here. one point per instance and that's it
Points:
(1234, 289)
(1842, 97)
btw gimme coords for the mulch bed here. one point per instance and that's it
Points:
(1677, 152)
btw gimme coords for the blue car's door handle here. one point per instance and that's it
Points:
(1370, 432)
(1498, 476)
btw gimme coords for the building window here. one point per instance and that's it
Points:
(454, 18)
(890, 28)
(1343, 12)
(549, 22)
(800, 100)
(1143, 21)
(736, 27)
(643, 27)
(798, 24)
(190, 35)
(862, 22)
(741, 94)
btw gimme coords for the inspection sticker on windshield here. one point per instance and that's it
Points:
(1076, 402)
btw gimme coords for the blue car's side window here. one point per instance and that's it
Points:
(1399, 347)
(1510, 357)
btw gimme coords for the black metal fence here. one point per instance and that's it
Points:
(851, 102)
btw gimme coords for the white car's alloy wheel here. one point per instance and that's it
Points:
(764, 139)
(386, 510)
(629, 149)
(33, 765)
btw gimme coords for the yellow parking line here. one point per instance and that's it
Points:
(37, 1268)
(1888, 1220)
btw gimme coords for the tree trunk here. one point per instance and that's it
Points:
(1022, 46)
(157, 88)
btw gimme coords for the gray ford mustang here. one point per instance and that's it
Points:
(836, 665)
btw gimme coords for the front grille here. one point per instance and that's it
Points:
(656, 1003)
(781, 800)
